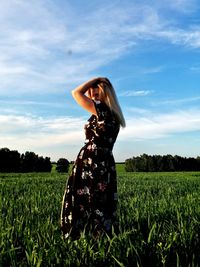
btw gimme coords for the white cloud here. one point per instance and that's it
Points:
(44, 46)
(37, 133)
(15, 102)
(151, 70)
(135, 93)
(178, 101)
(27, 124)
(183, 6)
(161, 125)
(188, 38)
(50, 136)
(134, 110)
(195, 69)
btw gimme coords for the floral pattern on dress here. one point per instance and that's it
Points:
(90, 197)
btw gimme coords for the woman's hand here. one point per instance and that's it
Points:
(95, 81)
(79, 93)
(104, 80)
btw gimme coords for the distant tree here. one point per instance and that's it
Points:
(12, 161)
(198, 163)
(167, 164)
(145, 162)
(151, 164)
(4, 159)
(178, 163)
(129, 165)
(9, 160)
(162, 163)
(62, 165)
(47, 166)
(43, 164)
(29, 160)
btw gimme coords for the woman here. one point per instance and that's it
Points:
(90, 197)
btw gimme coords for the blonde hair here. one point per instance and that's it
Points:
(110, 99)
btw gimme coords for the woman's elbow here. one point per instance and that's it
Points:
(74, 93)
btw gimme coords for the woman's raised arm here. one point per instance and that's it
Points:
(79, 95)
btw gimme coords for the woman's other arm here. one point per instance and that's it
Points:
(79, 95)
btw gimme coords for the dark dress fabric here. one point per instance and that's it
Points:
(90, 197)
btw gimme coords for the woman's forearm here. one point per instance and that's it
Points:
(82, 99)
(83, 88)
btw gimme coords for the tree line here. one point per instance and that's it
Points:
(13, 161)
(157, 163)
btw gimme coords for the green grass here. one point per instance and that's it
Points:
(159, 217)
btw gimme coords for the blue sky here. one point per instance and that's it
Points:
(150, 50)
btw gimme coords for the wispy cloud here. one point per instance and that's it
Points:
(44, 135)
(27, 125)
(187, 37)
(50, 134)
(135, 110)
(47, 49)
(29, 103)
(161, 125)
(195, 69)
(151, 70)
(178, 101)
(135, 93)
(182, 6)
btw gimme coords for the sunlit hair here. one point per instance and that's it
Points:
(109, 97)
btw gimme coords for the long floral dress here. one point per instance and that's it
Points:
(90, 197)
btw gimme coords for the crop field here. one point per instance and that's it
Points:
(159, 217)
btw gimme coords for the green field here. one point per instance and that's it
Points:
(159, 217)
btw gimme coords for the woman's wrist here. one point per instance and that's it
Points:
(91, 83)
(83, 88)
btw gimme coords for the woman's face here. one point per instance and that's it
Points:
(96, 94)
